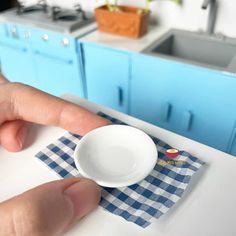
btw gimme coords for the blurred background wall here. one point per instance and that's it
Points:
(189, 16)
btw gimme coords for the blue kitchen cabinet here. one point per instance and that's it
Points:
(191, 101)
(16, 56)
(57, 61)
(58, 71)
(16, 61)
(107, 73)
(46, 60)
(232, 142)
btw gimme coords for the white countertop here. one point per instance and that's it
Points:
(90, 34)
(84, 30)
(207, 208)
(124, 43)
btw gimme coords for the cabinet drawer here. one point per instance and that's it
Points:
(16, 61)
(18, 32)
(41, 37)
(61, 41)
(57, 59)
(58, 72)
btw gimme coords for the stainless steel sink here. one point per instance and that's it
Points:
(196, 48)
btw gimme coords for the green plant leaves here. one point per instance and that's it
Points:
(113, 7)
(179, 2)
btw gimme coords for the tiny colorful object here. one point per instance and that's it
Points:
(172, 153)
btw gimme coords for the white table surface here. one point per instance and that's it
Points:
(207, 208)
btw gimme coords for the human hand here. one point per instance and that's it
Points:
(21, 104)
(52, 208)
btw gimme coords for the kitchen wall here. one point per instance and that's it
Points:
(189, 16)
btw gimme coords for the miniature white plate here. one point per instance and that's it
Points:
(115, 155)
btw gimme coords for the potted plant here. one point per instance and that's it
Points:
(124, 20)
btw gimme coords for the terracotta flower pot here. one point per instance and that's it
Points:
(127, 22)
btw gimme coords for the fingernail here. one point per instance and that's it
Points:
(85, 196)
(21, 136)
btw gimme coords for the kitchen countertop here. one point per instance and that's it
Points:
(207, 208)
(76, 34)
(124, 43)
(90, 33)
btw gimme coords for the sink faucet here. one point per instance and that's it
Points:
(212, 15)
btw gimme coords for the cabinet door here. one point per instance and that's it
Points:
(16, 61)
(107, 76)
(58, 71)
(151, 93)
(190, 101)
(206, 108)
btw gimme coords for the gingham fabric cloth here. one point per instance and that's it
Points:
(139, 203)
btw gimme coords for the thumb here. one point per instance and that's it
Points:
(49, 209)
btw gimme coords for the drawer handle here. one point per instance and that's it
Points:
(167, 108)
(14, 47)
(187, 120)
(42, 54)
(120, 96)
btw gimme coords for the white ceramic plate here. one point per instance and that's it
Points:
(115, 155)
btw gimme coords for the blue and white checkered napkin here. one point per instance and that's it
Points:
(138, 203)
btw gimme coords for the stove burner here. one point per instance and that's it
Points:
(51, 17)
(40, 6)
(58, 14)
(79, 10)
(54, 12)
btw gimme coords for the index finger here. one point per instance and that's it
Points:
(32, 105)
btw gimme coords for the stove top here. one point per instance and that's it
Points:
(40, 6)
(52, 18)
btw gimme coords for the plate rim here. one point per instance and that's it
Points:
(111, 184)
